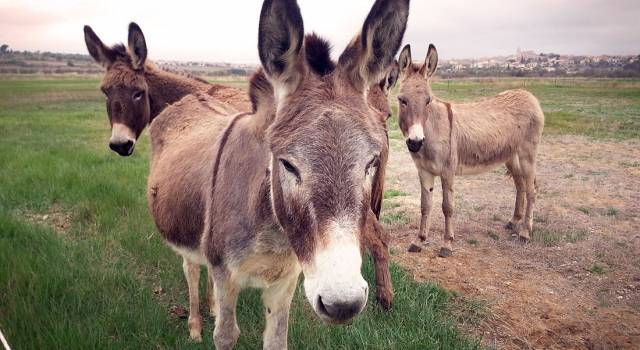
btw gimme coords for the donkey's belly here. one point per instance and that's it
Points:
(476, 169)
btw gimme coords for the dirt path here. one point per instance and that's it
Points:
(577, 284)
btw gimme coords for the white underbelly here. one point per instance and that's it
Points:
(194, 256)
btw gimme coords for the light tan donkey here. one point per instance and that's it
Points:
(448, 139)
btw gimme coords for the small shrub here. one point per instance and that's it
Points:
(597, 269)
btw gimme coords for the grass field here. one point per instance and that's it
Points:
(81, 263)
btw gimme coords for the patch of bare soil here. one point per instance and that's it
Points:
(55, 217)
(577, 284)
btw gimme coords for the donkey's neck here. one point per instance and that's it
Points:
(166, 88)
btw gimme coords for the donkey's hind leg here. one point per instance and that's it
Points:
(192, 274)
(513, 166)
(448, 206)
(528, 167)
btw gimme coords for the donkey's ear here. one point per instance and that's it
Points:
(392, 76)
(430, 63)
(280, 38)
(405, 58)
(101, 53)
(366, 58)
(137, 46)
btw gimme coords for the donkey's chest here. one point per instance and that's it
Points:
(260, 270)
(267, 260)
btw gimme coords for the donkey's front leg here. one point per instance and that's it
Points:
(226, 332)
(211, 299)
(277, 302)
(447, 209)
(377, 241)
(426, 203)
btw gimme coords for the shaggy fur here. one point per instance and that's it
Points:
(468, 138)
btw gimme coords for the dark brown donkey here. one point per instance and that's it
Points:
(449, 139)
(292, 192)
(137, 91)
(122, 81)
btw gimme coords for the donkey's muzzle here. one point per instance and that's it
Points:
(414, 145)
(341, 311)
(123, 148)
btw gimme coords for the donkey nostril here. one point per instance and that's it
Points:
(414, 145)
(122, 148)
(321, 306)
(340, 311)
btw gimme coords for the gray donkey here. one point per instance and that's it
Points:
(291, 191)
(448, 139)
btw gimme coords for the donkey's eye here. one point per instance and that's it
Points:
(429, 100)
(290, 167)
(402, 101)
(372, 166)
(138, 95)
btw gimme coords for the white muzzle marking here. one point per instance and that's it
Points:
(416, 132)
(333, 279)
(121, 133)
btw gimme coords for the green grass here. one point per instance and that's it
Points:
(91, 286)
(391, 193)
(398, 218)
(550, 238)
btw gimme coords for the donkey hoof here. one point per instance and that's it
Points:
(414, 248)
(385, 300)
(445, 252)
(196, 337)
(524, 239)
(510, 226)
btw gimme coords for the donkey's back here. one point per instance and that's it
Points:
(494, 130)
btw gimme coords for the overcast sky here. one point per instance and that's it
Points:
(217, 30)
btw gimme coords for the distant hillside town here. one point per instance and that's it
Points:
(531, 64)
(520, 64)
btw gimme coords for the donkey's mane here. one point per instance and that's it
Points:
(185, 75)
(260, 90)
(119, 52)
(318, 54)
